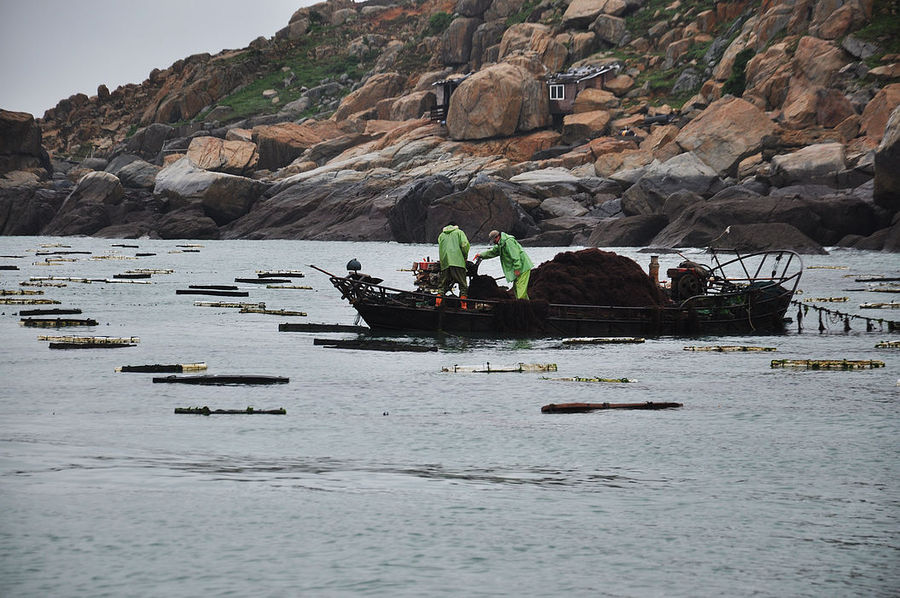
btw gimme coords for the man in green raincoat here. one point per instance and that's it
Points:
(453, 249)
(515, 263)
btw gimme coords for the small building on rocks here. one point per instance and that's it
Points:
(563, 87)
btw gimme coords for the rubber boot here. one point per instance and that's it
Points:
(437, 300)
(463, 304)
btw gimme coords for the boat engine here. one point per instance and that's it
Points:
(427, 275)
(688, 279)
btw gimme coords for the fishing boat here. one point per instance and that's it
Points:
(746, 294)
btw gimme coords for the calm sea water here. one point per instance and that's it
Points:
(388, 477)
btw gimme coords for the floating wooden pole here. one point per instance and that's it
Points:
(56, 322)
(370, 345)
(212, 292)
(144, 254)
(43, 284)
(273, 312)
(888, 345)
(229, 304)
(7, 292)
(828, 267)
(8, 267)
(49, 312)
(163, 368)
(601, 340)
(150, 270)
(288, 286)
(307, 327)
(877, 279)
(218, 287)
(248, 411)
(221, 380)
(890, 289)
(132, 275)
(86, 340)
(729, 348)
(828, 364)
(88, 345)
(497, 369)
(584, 407)
(591, 379)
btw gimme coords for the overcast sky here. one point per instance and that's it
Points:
(51, 49)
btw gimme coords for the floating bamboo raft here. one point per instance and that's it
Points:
(100, 340)
(150, 270)
(828, 364)
(221, 380)
(132, 275)
(248, 411)
(828, 267)
(877, 279)
(888, 289)
(43, 284)
(157, 368)
(56, 322)
(273, 312)
(584, 407)
(288, 286)
(889, 305)
(370, 345)
(8, 292)
(601, 340)
(229, 304)
(729, 348)
(21, 301)
(591, 379)
(888, 345)
(498, 369)
(826, 299)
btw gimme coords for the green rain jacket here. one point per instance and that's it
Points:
(453, 247)
(512, 257)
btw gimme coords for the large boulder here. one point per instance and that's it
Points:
(20, 144)
(496, 102)
(729, 130)
(219, 155)
(887, 165)
(27, 210)
(148, 142)
(631, 231)
(684, 172)
(456, 44)
(585, 125)
(482, 206)
(815, 164)
(378, 87)
(224, 197)
(764, 237)
(878, 110)
(609, 29)
(582, 13)
(282, 143)
(536, 38)
(87, 208)
(138, 174)
(408, 216)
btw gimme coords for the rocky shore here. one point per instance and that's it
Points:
(804, 156)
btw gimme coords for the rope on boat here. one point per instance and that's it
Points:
(833, 316)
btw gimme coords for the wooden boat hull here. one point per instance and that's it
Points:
(753, 301)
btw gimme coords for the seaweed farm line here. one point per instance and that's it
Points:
(593, 466)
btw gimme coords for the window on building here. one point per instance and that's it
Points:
(557, 92)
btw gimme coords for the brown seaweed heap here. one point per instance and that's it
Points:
(593, 277)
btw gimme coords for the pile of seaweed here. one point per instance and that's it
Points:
(483, 286)
(594, 277)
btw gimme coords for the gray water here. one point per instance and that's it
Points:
(388, 477)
